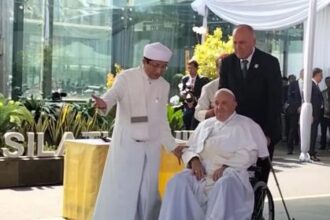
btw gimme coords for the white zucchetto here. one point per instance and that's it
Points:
(227, 91)
(157, 51)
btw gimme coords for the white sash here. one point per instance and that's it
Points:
(138, 106)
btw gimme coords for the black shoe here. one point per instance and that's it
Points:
(315, 158)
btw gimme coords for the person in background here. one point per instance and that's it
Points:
(325, 122)
(129, 186)
(285, 85)
(317, 104)
(205, 104)
(216, 183)
(255, 78)
(293, 112)
(190, 92)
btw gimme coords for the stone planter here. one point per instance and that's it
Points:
(35, 171)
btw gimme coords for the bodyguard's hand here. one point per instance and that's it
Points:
(178, 152)
(197, 168)
(99, 103)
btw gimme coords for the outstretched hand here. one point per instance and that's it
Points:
(178, 152)
(99, 103)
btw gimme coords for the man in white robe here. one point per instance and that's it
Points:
(129, 186)
(216, 184)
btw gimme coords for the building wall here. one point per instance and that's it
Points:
(89, 37)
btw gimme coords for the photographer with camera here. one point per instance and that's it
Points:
(190, 92)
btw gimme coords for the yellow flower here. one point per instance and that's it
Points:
(112, 77)
(206, 53)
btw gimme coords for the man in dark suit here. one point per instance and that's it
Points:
(317, 104)
(255, 78)
(293, 112)
(191, 91)
(325, 120)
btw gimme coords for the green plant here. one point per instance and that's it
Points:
(56, 118)
(13, 116)
(175, 118)
(77, 118)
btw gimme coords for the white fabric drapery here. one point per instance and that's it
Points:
(260, 14)
(307, 108)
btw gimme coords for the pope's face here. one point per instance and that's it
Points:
(225, 105)
(244, 42)
(154, 68)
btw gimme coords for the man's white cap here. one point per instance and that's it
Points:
(157, 51)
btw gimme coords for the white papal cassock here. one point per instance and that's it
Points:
(236, 142)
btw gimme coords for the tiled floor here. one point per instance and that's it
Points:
(300, 183)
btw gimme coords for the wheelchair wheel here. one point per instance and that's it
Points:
(264, 203)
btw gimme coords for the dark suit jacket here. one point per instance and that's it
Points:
(317, 101)
(259, 95)
(199, 83)
(294, 97)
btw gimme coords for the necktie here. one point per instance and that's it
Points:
(244, 68)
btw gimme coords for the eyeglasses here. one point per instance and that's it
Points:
(158, 66)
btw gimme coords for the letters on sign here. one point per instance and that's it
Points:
(15, 140)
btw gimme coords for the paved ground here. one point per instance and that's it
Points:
(305, 186)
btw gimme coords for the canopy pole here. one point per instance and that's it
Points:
(205, 24)
(307, 110)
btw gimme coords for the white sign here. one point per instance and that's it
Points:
(15, 141)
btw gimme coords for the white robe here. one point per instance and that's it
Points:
(237, 143)
(206, 100)
(129, 186)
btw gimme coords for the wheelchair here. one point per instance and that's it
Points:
(264, 208)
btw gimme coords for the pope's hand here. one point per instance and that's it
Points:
(218, 173)
(197, 168)
(99, 103)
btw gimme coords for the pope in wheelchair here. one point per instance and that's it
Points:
(215, 185)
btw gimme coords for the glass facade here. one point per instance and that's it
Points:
(72, 45)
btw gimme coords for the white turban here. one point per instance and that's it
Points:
(157, 51)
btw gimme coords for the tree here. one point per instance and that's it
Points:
(207, 53)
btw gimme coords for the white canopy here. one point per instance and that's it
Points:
(260, 14)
